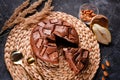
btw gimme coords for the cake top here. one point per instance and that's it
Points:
(52, 38)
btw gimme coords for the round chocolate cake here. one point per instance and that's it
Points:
(62, 46)
(54, 38)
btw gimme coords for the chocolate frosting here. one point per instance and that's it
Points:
(52, 35)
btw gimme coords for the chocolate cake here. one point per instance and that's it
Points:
(62, 47)
(53, 38)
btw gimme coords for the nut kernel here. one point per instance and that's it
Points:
(107, 63)
(105, 73)
(103, 66)
(103, 78)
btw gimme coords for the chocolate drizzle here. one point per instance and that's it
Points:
(53, 35)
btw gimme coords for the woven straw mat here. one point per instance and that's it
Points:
(20, 39)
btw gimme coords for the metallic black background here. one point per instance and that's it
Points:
(109, 8)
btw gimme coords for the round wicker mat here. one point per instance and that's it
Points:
(20, 39)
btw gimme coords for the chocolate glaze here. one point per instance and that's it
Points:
(53, 35)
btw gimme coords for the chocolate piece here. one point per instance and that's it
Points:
(55, 37)
(85, 54)
(41, 24)
(59, 22)
(49, 26)
(51, 49)
(51, 37)
(45, 42)
(61, 31)
(43, 51)
(54, 20)
(66, 24)
(41, 31)
(46, 21)
(52, 44)
(79, 66)
(36, 35)
(53, 56)
(39, 43)
(73, 35)
(47, 32)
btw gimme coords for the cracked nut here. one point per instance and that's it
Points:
(102, 34)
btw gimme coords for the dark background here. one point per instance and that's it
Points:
(109, 8)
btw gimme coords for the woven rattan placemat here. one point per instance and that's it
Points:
(20, 39)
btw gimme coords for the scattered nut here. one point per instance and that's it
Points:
(102, 34)
(103, 78)
(103, 66)
(86, 15)
(105, 73)
(107, 63)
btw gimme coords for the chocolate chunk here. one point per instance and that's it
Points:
(59, 22)
(66, 24)
(49, 26)
(74, 36)
(43, 51)
(36, 29)
(51, 37)
(73, 50)
(46, 21)
(47, 32)
(52, 44)
(44, 57)
(85, 54)
(39, 43)
(79, 66)
(41, 31)
(74, 33)
(41, 24)
(54, 20)
(51, 49)
(53, 56)
(71, 37)
(61, 31)
(45, 42)
(36, 35)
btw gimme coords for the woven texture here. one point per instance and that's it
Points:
(20, 39)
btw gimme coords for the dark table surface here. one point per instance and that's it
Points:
(109, 8)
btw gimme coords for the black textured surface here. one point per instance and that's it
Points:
(109, 8)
